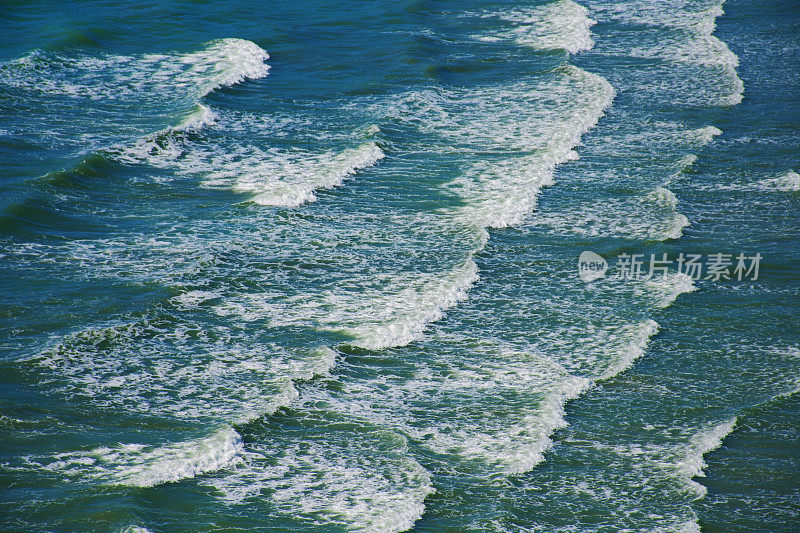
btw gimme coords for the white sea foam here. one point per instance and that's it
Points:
(273, 176)
(562, 24)
(692, 463)
(191, 299)
(690, 526)
(704, 50)
(548, 113)
(666, 199)
(703, 136)
(524, 392)
(394, 316)
(518, 447)
(629, 346)
(661, 468)
(201, 117)
(500, 193)
(689, 40)
(139, 465)
(360, 481)
(192, 75)
(497, 195)
(637, 213)
(686, 162)
(290, 179)
(234, 387)
(188, 371)
(402, 317)
(649, 217)
(232, 61)
(125, 98)
(789, 182)
(666, 288)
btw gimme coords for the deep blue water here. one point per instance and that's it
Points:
(314, 266)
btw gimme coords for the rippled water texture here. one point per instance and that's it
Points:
(314, 266)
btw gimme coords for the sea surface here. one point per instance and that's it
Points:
(313, 266)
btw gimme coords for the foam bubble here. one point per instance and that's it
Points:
(520, 446)
(666, 199)
(688, 526)
(122, 98)
(466, 378)
(687, 161)
(686, 15)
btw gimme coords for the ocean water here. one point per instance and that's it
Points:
(314, 266)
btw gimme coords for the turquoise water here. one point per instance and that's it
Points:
(314, 267)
